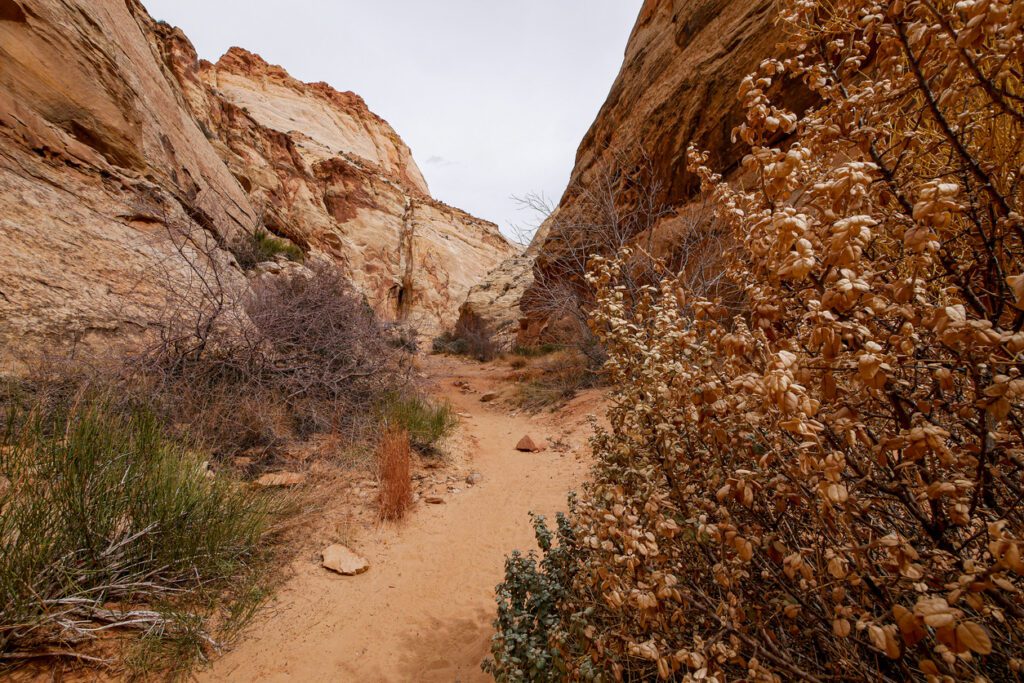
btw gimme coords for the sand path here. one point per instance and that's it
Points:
(423, 611)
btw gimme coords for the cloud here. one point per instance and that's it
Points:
(436, 160)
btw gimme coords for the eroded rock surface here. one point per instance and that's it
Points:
(683, 66)
(113, 135)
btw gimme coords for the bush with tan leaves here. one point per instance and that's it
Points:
(829, 486)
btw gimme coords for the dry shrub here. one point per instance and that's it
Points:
(394, 457)
(470, 337)
(828, 486)
(554, 380)
(620, 212)
(308, 356)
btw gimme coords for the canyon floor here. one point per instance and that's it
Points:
(424, 610)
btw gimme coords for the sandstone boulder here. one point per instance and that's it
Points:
(341, 560)
(528, 444)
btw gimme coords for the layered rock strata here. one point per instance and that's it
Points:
(118, 147)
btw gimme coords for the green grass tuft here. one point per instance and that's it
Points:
(261, 247)
(101, 514)
(426, 422)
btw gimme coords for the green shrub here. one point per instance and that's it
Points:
(102, 518)
(426, 422)
(529, 621)
(261, 246)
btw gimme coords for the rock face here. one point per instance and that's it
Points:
(97, 155)
(113, 135)
(496, 301)
(336, 179)
(678, 83)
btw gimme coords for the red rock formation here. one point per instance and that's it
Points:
(678, 83)
(111, 129)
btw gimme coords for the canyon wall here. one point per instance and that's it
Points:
(115, 138)
(683, 66)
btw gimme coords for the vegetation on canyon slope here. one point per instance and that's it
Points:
(827, 485)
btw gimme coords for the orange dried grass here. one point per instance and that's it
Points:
(394, 457)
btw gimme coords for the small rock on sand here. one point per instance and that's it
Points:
(474, 478)
(434, 500)
(488, 397)
(528, 444)
(281, 479)
(340, 559)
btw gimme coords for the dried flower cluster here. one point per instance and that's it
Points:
(829, 486)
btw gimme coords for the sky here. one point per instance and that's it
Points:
(492, 96)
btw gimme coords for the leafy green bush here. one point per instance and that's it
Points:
(426, 422)
(102, 518)
(261, 246)
(529, 621)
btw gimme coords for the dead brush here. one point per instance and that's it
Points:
(394, 458)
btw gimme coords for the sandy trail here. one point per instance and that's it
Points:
(423, 611)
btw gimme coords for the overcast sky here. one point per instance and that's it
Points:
(492, 96)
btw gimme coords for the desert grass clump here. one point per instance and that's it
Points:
(250, 250)
(394, 460)
(827, 485)
(425, 422)
(104, 522)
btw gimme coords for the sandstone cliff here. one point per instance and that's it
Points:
(112, 132)
(683, 66)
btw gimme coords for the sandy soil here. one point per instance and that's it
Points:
(423, 611)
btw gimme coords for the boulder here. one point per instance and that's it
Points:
(342, 560)
(527, 444)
